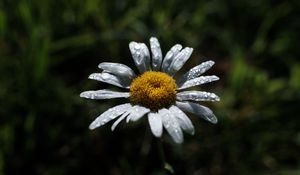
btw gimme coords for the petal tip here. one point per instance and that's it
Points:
(158, 135)
(178, 45)
(180, 141)
(153, 39)
(92, 76)
(132, 44)
(82, 95)
(211, 62)
(112, 128)
(92, 127)
(214, 121)
(216, 77)
(100, 65)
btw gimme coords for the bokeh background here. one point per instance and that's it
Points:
(48, 48)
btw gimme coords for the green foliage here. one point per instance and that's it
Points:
(49, 47)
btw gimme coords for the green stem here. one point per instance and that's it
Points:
(162, 156)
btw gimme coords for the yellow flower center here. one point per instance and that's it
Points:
(154, 90)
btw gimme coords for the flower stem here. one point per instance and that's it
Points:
(162, 156)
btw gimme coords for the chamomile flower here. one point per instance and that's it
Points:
(154, 93)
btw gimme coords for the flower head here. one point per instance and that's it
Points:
(154, 92)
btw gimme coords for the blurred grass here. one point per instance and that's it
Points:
(48, 48)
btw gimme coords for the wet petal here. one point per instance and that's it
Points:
(171, 124)
(110, 79)
(120, 70)
(123, 116)
(104, 94)
(155, 124)
(179, 60)
(183, 120)
(171, 54)
(198, 81)
(140, 55)
(195, 71)
(197, 96)
(137, 112)
(156, 54)
(109, 115)
(198, 110)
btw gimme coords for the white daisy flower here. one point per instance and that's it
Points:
(154, 92)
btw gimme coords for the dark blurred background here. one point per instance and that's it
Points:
(48, 48)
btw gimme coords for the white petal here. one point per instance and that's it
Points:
(198, 81)
(137, 112)
(171, 54)
(128, 117)
(183, 120)
(198, 110)
(179, 60)
(140, 55)
(104, 94)
(120, 70)
(171, 124)
(156, 54)
(197, 96)
(109, 115)
(123, 116)
(110, 79)
(196, 71)
(155, 124)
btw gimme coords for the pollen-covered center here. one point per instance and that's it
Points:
(154, 90)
